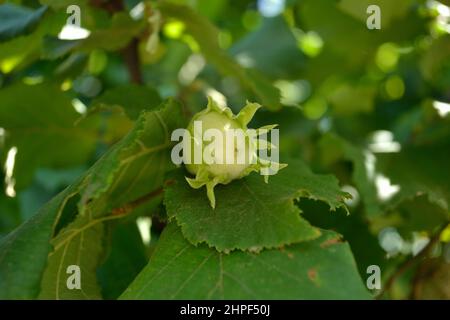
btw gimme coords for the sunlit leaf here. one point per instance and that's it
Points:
(317, 269)
(249, 213)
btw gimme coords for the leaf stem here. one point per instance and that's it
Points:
(116, 213)
(410, 262)
(130, 206)
(130, 53)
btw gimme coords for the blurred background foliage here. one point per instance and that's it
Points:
(370, 106)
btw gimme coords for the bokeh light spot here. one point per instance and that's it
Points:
(271, 8)
(387, 57)
(394, 87)
(315, 108)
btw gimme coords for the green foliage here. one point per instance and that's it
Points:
(85, 135)
(127, 258)
(334, 148)
(281, 61)
(121, 30)
(251, 214)
(40, 121)
(206, 36)
(312, 270)
(78, 244)
(17, 20)
(19, 278)
(119, 177)
(131, 98)
(418, 171)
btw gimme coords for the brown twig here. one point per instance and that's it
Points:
(130, 53)
(112, 6)
(130, 206)
(410, 262)
(130, 56)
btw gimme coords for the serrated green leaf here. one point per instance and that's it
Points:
(250, 214)
(137, 164)
(80, 245)
(132, 168)
(320, 269)
(17, 20)
(354, 229)
(207, 35)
